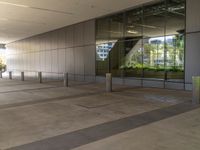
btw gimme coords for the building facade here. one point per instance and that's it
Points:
(153, 45)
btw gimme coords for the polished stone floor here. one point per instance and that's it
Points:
(82, 116)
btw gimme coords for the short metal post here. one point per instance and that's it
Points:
(108, 82)
(22, 76)
(1, 76)
(10, 75)
(196, 90)
(40, 77)
(66, 83)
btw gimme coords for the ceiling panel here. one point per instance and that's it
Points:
(23, 18)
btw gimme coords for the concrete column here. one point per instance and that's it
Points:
(108, 82)
(196, 90)
(192, 50)
(66, 83)
(10, 75)
(40, 77)
(22, 76)
(1, 76)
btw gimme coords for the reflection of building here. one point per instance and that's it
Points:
(2, 54)
(103, 50)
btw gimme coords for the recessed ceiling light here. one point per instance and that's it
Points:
(146, 26)
(132, 32)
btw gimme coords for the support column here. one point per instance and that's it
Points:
(10, 75)
(196, 90)
(40, 77)
(192, 50)
(66, 83)
(108, 82)
(22, 76)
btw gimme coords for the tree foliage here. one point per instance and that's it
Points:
(2, 65)
(167, 56)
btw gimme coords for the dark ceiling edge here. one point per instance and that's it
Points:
(60, 28)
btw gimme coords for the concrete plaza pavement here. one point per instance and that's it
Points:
(40, 116)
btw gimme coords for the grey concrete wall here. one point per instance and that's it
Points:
(70, 49)
(192, 54)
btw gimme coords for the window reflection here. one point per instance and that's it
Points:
(134, 23)
(103, 51)
(154, 20)
(144, 42)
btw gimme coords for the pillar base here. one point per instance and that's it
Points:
(22, 76)
(108, 82)
(10, 75)
(40, 77)
(196, 90)
(66, 84)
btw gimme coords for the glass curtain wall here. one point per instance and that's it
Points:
(146, 42)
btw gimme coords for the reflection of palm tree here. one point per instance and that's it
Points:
(180, 49)
(2, 65)
(176, 53)
(155, 57)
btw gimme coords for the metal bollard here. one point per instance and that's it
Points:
(66, 83)
(108, 82)
(40, 77)
(1, 76)
(10, 75)
(22, 76)
(196, 90)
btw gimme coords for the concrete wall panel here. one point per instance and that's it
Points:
(192, 53)
(42, 60)
(69, 60)
(70, 49)
(37, 61)
(89, 64)
(61, 39)
(78, 34)
(193, 17)
(61, 60)
(69, 36)
(89, 32)
(192, 65)
(54, 61)
(79, 60)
